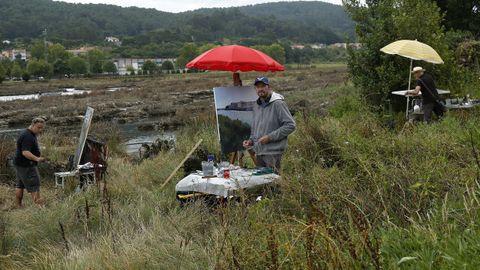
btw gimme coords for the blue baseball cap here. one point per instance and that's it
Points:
(263, 80)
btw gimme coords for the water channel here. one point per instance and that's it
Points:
(130, 132)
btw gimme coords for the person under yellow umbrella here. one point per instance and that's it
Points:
(414, 50)
(430, 100)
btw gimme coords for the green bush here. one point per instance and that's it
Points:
(25, 76)
(350, 104)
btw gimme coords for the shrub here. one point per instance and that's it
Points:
(25, 76)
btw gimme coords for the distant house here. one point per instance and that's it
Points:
(338, 45)
(122, 64)
(318, 46)
(298, 46)
(6, 41)
(313, 46)
(81, 50)
(113, 40)
(12, 54)
(355, 45)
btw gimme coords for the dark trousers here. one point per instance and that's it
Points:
(270, 161)
(427, 112)
(429, 109)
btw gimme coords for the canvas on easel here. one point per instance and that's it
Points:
(61, 176)
(234, 111)
(87, 121)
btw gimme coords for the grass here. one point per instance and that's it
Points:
(354, 194)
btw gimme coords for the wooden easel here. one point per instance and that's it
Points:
(235, 155)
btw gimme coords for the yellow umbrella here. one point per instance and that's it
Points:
(414, 50)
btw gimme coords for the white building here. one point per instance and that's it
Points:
(113, 40)
(12, 54)
(338, 45)
(318, 46)
(313, 46)
(298, 46)
(122, 64)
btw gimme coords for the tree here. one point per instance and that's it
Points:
(2, 73)
(7, 66)
(167, 65)
(206, 47)
(468, 54)
(37, 51)
(149, 67)
(109, 67)
(130, 70)
(57, 52)
(382, 22)
(61, 67)
(16, 71)
(461, 15)
(40, 68)
(25, 76)
(187, 53)
(276, 51)
(77, 65)
(95, 61)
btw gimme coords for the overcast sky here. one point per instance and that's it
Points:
(182, 5)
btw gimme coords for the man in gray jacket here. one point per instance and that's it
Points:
(272, 123)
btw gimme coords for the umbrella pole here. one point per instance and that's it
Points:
(236, 79)
(409, 84)
(410, 74)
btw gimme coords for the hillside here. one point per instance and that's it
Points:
(298, 21)
(88, 22)
(325, 15)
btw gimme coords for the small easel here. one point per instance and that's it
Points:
(61, 176)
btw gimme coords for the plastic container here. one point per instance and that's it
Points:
(207, 168)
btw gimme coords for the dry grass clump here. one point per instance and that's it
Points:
(7, 150)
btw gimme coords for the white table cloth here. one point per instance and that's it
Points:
(239, 179)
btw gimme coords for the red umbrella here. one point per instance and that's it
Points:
(235, 58)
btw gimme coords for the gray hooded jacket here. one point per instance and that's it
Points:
(273, 119)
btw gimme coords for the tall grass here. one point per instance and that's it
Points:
(7, 147)
(354, 194)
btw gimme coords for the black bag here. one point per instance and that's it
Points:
(439, 107)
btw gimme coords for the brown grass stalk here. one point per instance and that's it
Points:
(62, 231)
(273, 248)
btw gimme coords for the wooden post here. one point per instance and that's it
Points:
(253, 156)
(233, 157)
(181, 163)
